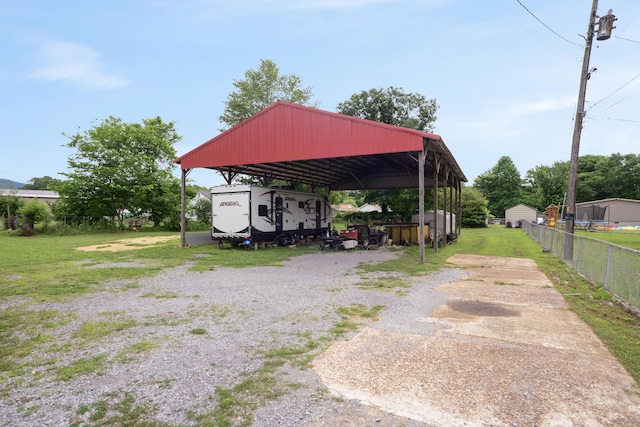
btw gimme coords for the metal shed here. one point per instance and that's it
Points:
(520, 212)
(301, 144)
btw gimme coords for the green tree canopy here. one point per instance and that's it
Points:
(395, 107)
(501, 185)
(33, 212)
(392, 106)
(473, 207)
(9, 206)
(121, 167)
(43, 183)
(599, 177)
(546, 185)
(261, 88)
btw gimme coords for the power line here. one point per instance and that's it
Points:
(546, 26)
(629, 40)
(613, 93)
(624, 120)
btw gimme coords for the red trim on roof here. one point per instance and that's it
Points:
(286, 132)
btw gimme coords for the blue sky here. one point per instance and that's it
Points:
(506, 85)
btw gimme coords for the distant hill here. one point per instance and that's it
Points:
(7, 183)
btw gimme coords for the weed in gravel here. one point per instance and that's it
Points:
(166, 295)
(502, 283)
(199, 331)
(352, 316)
(216, 312)
(165, 383)
(21, 330)
(90, 331)
(116, 409)
(140, 347)
(383, 283)
(85, 365)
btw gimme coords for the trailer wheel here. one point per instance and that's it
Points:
(342, 248)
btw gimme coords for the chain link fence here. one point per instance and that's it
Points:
(615, 267)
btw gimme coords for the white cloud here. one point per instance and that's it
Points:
(76, 64)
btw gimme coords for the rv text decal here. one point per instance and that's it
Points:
(234, 203)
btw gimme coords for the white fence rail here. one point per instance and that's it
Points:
(615, 267)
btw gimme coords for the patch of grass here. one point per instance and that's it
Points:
(165, 383)
(217, 312)
(160, 296)
(383, 283)
(615, 325)
(82, 366)
(199, 331)
(21, 330)
(241, 258)
(45, 267)
(502, 283)
(352, 316)
(90, 331)
(117, 409)
(140, 347)
(236, 404)
(627, 238)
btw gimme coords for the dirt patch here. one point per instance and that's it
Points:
(128, 244)
(503, 355)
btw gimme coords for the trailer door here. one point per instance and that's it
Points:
(230, 213)
(318, 214)
(278, 214)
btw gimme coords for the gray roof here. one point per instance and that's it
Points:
(30, 194)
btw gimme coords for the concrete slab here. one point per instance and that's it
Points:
(507, 351)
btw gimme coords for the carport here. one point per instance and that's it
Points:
(299, 144)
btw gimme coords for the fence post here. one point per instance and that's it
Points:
(606, 273)
(579, 258)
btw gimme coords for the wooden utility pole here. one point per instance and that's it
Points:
(604, 32)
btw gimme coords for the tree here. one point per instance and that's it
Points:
(261, 88)
(120, 167)
(9, 206)
(624, 176)
(202, 211)
(546, 185)
(44, 183)
(32, 213)
(501, 185)
(473, 208)
(392, 106)
(395, 107)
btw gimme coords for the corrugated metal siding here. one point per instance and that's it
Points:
(290, 132)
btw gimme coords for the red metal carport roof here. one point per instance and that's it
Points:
(306, 145)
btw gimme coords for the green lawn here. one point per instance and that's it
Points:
(626, 238)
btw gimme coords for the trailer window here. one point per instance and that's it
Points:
(263, 210)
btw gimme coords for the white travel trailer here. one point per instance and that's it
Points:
(251, 214)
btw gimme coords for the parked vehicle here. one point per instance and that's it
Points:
(251, 214)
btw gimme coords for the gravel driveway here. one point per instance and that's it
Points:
(181, 338)
(490, 342)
